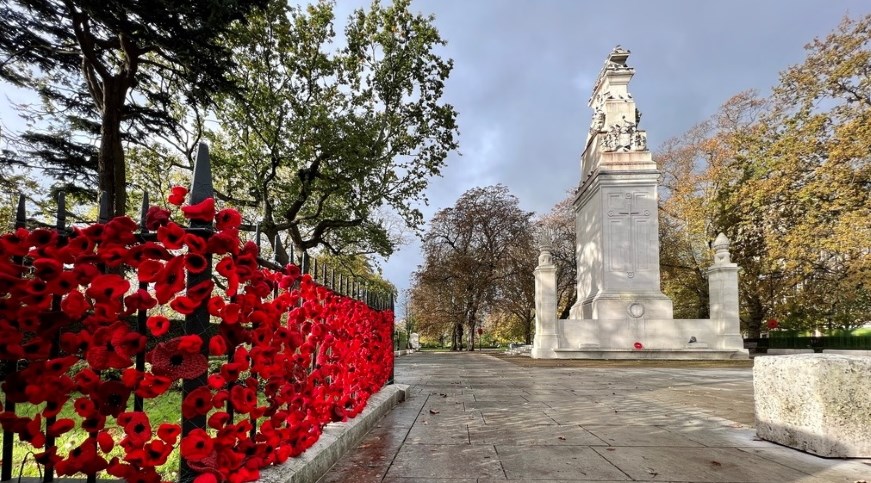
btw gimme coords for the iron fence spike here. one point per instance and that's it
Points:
(276, 248)
(21, 213)
(143, 213)
(61, 211)
(201, 186)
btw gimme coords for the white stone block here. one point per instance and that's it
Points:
(818, 403)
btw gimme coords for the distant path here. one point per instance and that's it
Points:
(473, 417)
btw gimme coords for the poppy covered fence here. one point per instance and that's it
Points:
(91, 333)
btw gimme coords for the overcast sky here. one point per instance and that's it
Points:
(524, 70)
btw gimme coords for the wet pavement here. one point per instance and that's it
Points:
(472, 417)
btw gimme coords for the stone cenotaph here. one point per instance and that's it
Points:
(621, 311)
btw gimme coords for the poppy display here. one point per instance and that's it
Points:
(288, 356)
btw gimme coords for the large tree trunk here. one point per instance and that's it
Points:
(755, 313)
(110, 161)
(470, 322)
(457, 337)
(527, 332)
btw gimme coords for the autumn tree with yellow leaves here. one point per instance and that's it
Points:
(787, 179)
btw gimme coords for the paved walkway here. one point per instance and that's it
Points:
(475, 418)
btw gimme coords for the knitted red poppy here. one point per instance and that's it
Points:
(202, 211)
(177, 196)
(167, 359)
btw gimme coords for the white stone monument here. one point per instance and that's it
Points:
(616, 216)
(621, 311)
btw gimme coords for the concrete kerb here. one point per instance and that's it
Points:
(336, 440)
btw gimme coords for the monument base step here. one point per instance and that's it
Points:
(668, 354)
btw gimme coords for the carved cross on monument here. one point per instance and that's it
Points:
(629, 229)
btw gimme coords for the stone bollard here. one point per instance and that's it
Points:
(818, 403)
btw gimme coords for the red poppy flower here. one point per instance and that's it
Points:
(83, 458)
(56, 401)
(119, 230)
(131, 377)
(224, 241)
(113, 347)
(170, 280)
(218, 420)
(139, 300)
(77, 245)
(216, 304)
(197, 445)
(220, 398)
(60, 427)
(157, 325)
(84, 407)
(198, 402)
(146, 251)
(41, 237)
(63, 284)
(638, 345)
(228, 218)
(156, 217)
(184, 305)
(168, 432)
(216, 381)
(107, 287)
(87, 380)
(202, 211)
(156, 453)
(60, 365)
(85, 271)
(94, 423)
(195, 263)
(152, 386)
(137, 427)
(177, 196)
(171, 236)
(190, 343)
(105, 441)
(217, 345)
(111, 398)
(231, 313)
(168, 360)
(230, 371)
(47, 268)
(196, 243)
(112, 255)
(244, 399)
(74, 305)
(201, 291)
(148, 270)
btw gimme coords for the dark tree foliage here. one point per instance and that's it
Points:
(99, 65)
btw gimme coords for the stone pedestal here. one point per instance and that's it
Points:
(723, 292)
(546, 334)
(817, 403)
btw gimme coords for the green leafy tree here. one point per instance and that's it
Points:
(330, 138)
(97, 66)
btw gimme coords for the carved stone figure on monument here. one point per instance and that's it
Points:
(598, 121)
